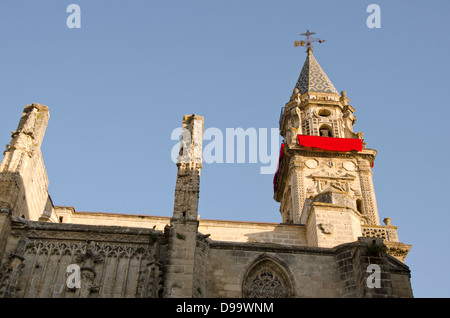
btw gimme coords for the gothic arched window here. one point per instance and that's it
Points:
(267, 279)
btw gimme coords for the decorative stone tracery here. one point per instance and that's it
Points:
(267, 279)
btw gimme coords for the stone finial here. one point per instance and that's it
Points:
(191, 140)
(344, 99)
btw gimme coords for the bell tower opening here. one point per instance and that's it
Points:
(359, 205)
(325, 131)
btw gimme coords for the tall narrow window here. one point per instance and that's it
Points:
(359, 205)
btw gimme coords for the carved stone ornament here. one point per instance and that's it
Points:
(150, 282)
(88, 259)
(349, 166)
(337, 185)
(10, 271)
(326, 228)
(311, 163)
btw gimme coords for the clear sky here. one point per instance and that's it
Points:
(118, 86)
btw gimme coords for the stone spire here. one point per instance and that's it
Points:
(304, 185)
(312, 77)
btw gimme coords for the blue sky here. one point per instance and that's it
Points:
(118, 86)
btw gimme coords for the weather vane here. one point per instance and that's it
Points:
(309, 40)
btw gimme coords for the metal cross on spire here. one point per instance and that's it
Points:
(309, 40)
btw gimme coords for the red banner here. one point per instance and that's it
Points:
(330, 143)
(326, 143)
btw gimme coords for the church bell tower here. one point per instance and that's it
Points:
(324, 177)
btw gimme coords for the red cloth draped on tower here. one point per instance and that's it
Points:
(330, 143)
(326, 143)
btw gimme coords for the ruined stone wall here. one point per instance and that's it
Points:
(132, 262)
(113, 262)
(23, 178)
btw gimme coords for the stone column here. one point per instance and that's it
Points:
(182, 232)
(370, 209)
(298, 188)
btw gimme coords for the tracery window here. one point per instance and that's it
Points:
(266, 279)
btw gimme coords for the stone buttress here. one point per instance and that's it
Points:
(23, 178)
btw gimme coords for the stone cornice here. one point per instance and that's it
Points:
(367, 153)
(270, 247)
(68, 231)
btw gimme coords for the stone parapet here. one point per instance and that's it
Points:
(388, 233)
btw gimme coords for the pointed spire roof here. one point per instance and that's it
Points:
(312, 77)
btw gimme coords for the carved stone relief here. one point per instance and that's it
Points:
(10, 271)
(326, 228)
(311, 163)
(96, 259)
(150, 283)
(349, 165)
(323, 180)
(88, 259)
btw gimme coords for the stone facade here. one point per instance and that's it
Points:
(330, 242)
